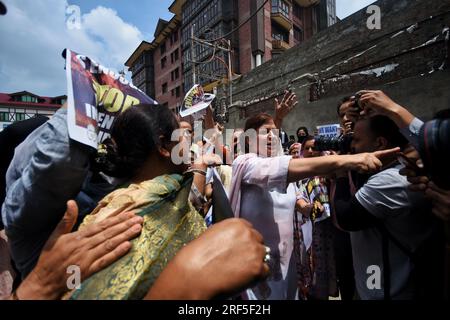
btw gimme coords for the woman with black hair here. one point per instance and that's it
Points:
(263, 192)
(140, 151)
(302, 133)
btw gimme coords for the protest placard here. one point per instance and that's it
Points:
(195, 101)
(95, 96)
(329, 131)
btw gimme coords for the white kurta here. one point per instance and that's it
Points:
(268, 202)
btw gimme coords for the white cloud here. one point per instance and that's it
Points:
(345, 8)
(34, 33)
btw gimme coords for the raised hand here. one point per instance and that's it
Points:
(348, 128)
(375, 102)
(283, 108)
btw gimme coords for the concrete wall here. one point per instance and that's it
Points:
(407, 58)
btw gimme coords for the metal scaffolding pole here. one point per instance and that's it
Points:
(194, 76)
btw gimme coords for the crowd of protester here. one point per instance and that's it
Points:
(362, 222)
(264, 216)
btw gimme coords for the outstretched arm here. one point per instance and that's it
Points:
(365, 162)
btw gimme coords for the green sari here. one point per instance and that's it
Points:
(170, 222)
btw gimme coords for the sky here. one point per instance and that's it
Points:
(345, 8)
(35, 32)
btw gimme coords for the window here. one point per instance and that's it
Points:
(139, 63)
(163, 48)
(163, 62)
(175, 74)
(4, 116)
(211, 12)
(174, 56)
(20, 116)
(26, 98)
(279, 34)
(164, 88)
(298, 34)
(60, 101)
(178, 91)
(174, 37)
(139, 78)
(280, 6)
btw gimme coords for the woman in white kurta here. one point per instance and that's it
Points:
(268, 202)
(262, 192)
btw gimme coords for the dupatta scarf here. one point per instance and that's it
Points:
(170, 222)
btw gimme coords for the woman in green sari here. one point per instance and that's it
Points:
(140, 151)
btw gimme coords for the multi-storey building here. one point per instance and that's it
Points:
(25, 105)
(280, 25)
(142, 67)
(157, 68)
(207, 20)
(167, 67)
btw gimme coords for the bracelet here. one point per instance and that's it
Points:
(199, 171)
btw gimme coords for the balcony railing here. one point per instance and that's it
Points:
(281, 13)
(280, 7)
(306, 3)
(280, 45)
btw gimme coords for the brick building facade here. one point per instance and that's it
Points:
(165, 68)
(157, 66)
(281, 25)
(407, 58)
